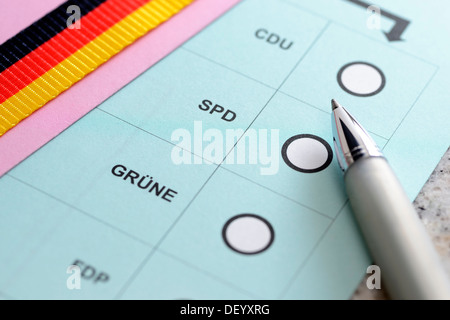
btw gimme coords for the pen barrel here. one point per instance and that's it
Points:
(398, 241)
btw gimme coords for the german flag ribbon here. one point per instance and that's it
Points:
(52, 54)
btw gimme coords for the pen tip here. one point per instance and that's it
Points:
(334, 104)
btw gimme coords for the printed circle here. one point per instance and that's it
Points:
(361, 79)
(248, 234)
(307, 153)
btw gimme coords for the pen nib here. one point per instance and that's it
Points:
(334, 104)
(351, 141)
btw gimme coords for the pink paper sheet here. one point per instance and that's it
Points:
(46, 123)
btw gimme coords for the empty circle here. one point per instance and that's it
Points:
(361, 79)
(248, 234)
(307, 153)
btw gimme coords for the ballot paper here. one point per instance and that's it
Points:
(212, 175)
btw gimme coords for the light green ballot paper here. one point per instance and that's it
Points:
(213, 174)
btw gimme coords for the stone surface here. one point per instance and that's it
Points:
(433, 206)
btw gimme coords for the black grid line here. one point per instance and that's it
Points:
(296, 5)
(208, 273)
(277, 193)
(157, 137)
(326, 112)
(147, 259)
(161, 240)
(228, 68)
(310, 254)
(87, 214)
(412, 106)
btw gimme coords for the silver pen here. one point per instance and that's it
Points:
(397, 239)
